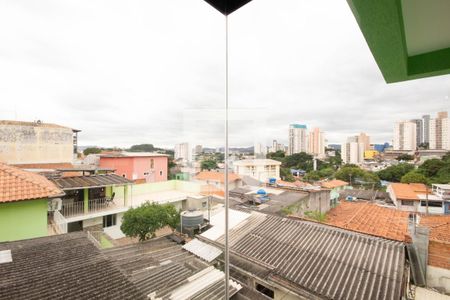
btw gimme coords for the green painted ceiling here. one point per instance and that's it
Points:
(409, 39)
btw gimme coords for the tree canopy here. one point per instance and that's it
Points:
(142, 148)
(352, 173)
(92, 150)
(208, 164)
(405, 157)
(395, 173)
(414, 177)
(143, 221)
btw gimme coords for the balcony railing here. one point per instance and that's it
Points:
(78, 208)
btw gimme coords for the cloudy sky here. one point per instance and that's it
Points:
(152, 71)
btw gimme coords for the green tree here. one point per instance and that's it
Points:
(286, 175)
(326, 172)
(208, 164)
(300, 160)
(431, 167)
(405, 157)
(395, 173)
(278, 155)
(414, 177)
(313, 176)
(142, 148)
(92, 150)
(354, 174)
(143, 221)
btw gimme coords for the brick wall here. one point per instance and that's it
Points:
(439, 254)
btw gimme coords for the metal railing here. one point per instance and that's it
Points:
(94, 205)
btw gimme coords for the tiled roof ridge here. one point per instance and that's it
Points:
(34, 179)
(351, 230)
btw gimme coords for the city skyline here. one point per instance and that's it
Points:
(99, 74)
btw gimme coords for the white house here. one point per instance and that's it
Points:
(260, 169)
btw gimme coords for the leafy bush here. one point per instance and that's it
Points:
(143, 221)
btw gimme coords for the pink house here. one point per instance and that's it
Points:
(139, 167)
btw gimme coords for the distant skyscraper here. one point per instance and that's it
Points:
(182, 152)
(297, 139)
(198, 149)
(316, 143)
(440, 132)
(365, 139)
(352, 152)
(405, 135)
(419, 131)
(426, 128)
(259, 150)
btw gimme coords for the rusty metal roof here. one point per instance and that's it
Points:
(91, 181)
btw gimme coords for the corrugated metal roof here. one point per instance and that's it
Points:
(62, 267)
(323, 260)
(79, 182)
(163, 269)
(203, 250)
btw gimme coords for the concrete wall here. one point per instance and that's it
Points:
(28, 144)
(23, 220)
(319, 201)
(146, 188)
(438, 278)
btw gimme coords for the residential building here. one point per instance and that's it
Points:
(137, 166)
(352, 152)
(259, 150)
(90, 202)
(416, 197)
(64, 267)
(277, 147)
(260, 169)
(419, 131)
(36, 143)
(405, 135)
(181, 152)
(24, 198)
(365, 139)
(426, 128)
(298, 139)
(440, 132)
(316, 143)
(335, 186)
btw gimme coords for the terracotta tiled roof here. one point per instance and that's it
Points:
(439, 227)
(404, 191)
(419, 188)
(216, 176)
(17, 185)
(333, 184)
(370, 219)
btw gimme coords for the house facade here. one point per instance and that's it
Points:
(139, 167)
(260, 169)
(23, 203)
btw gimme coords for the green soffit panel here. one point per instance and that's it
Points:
(409, 39)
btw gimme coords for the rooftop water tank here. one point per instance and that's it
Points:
(192, 218)
(261, 192)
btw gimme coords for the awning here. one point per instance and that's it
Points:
(92, 181)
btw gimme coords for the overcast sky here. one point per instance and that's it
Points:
(152, 71)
